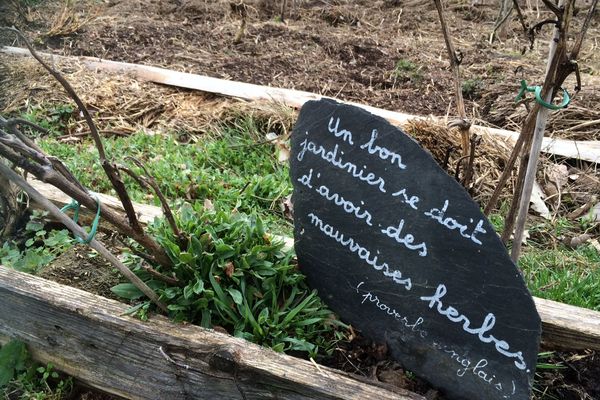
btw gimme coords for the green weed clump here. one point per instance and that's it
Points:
(235, 276)
(408, 71)
(37, 246)
(564, 275)
(21, 378)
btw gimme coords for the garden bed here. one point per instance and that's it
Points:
(370, 53)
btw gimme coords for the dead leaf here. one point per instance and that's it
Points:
(208, 205)
(537, 203)
(282, 149)
(395, 377)
(595, 244)
(558, 174)
(284, 154)
(524, 238)
(229, 269)
(287, 208)
(594, 214)
(583, 209)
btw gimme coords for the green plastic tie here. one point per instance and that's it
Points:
(74, 205)
(537, 90)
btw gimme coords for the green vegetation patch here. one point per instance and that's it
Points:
(21, 378)
(235, 276)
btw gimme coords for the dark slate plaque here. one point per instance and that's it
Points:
(398, 249)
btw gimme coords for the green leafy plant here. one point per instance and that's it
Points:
(39, 248)
(21, 378)
(234, 276)
(472, 87)
(54, 118)
(408, 71)
(13, 360)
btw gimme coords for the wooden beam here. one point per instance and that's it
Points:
(90, 338)
(583, 150)
(563, 325)
(568, 327)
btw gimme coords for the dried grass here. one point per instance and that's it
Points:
(68, 21)
(122, 105)
(444, 144)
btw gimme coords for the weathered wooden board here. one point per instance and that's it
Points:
(563, 325)
(584, 150)
(88, 337)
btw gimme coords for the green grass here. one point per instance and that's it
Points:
(230, 167)
(564, 275)
(408, 71)
(552, 270)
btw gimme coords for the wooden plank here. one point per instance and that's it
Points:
(584, 150)
(568, 327)
(145, 213)
(88, 337)
(562, 325)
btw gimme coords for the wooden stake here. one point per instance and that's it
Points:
(556, 51)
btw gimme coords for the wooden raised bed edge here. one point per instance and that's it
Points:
(563, 326)
(90, 338)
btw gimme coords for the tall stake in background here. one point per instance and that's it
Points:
(462, 124)
(556, 54)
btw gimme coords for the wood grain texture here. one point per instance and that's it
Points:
(88, 337)
(568, 327)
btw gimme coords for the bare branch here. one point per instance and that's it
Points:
(149, 180)
(77, 230)
(111, 171)
(455, 59)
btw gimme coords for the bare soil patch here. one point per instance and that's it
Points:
(346, 49)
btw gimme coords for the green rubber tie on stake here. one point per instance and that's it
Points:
(537, 90)
(74, 205)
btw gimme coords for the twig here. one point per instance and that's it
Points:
(469, 172)
(169, 359)
(522, 20)
(150, 181)
(517, 150)
(463, 124)
(502, 18)
(78, 231)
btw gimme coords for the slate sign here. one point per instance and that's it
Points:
(398, 249)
